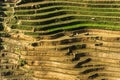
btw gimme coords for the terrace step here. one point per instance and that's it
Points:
(53, 40)
(9, 66)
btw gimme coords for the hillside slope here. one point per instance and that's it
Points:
(60, 40)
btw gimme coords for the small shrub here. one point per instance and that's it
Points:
(22, 62)
(34, 44)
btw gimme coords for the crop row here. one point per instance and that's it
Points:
(103, 1)
(59, 18)
(105, 12)
(64, 12)
(62, 21)
(36, 11)
(86, 1)
(57, 7)
(75, 27)
(50, 3)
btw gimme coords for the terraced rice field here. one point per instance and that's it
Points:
(60, 40)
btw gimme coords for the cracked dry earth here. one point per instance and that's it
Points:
(30, 52)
